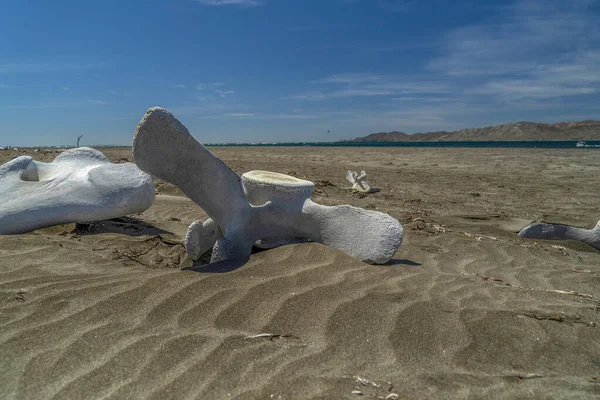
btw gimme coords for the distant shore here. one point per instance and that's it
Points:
(514, 144)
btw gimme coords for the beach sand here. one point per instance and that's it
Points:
(466, 309)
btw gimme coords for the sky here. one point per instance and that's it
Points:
(292, 70)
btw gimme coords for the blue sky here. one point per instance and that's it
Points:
(291, 70)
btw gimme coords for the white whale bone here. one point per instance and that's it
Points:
(201, 237)
(358, 181)
(163, 147)
(80, 185)
(351, 177)
(563, 232)
(305, 220)
(262, 207)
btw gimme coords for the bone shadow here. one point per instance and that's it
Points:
(402, 262)
(123, 225)
(203, 265)
(219, 267)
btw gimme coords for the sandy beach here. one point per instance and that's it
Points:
(466, 309)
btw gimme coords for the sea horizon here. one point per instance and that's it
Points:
(542, 144)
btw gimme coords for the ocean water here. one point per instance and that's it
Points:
(550, 144)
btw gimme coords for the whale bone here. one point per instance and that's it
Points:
(260, 208)
(358, 181)
(80, 185)
(563, 232)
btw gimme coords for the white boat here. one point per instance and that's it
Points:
(582, 143)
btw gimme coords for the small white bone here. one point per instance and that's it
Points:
(80, 185)
(358, 181)
(563, 232)
(264, 208)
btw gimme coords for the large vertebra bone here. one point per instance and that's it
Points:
(563, 232)
(263, 208)
(80, 185)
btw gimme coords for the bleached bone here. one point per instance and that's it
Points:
(264, 208)
(563, 232)
(201, 237)
(358, 181)
(80, 185)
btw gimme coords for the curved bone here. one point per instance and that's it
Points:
(80, 185)
(201, 237)
(371, 236)
(368, 235)
(264, 208)
(163, 147)
(358, 181)
(563, 232)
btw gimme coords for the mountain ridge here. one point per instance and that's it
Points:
(517, 131)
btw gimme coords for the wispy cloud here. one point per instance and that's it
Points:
(247, 3)
(11, 68)
(207, 107)
(350, 79)
(283, 116)
(290, 116)
(319, 27)
(580, 75)
(206, 86)
(239, 115)
(398, 5)
(42, 105)
(99, 102)
(369, 85)
(391, 5)
(180, 86)
(542, 50)
(206, 98)
(224, 93)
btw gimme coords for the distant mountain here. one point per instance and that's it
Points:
(584, 130)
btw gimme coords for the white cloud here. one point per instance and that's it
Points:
(249, 3)
(239, 115)
(206, 86)
(43, 105)
(569, 77)
(542, 50)
(319, 27)
(391, 5)
(287, 116)
(398, 5)
(206, 98)
(99, 102)
(370, 85)
(350, 79)
(10, 68)
(180, 86)
(224, 93)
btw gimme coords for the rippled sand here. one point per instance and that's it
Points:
(466, 309)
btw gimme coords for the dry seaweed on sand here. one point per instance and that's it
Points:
(271, 336)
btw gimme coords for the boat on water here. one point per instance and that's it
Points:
(582, 143)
